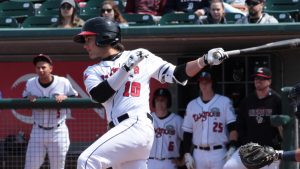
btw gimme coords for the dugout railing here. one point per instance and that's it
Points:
(13, 148)
(16, 133)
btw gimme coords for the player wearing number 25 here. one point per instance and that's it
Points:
(209, 128)
(120, 82)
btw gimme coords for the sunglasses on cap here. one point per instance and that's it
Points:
(66, 6)
(252, 3)
(106, 10)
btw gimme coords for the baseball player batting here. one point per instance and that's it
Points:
(168, 132)
(49, 132)
(120, 82)
(209, 126)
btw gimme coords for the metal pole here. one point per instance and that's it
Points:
(15, 103)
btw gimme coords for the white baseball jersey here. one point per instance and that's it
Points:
(133, 96)
(168, 135)
(49, 117)
(207, 121)
(128, 144)
(49, 132)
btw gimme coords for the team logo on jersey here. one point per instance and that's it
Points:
(169, 130)
(259, 114)
(214, 112)
(259, 119)
(112, 71)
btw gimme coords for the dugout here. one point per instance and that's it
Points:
(173, 43)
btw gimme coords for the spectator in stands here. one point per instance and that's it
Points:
(256, 14)
(109, 9)
(199, 7)
(216, 14)
(235, 6)
(67, 15)
(155, 8)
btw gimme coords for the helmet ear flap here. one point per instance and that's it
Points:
(110, 38)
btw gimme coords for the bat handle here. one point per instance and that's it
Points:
(233, 52)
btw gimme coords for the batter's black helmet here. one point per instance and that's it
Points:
(107, 31)
(162, 92)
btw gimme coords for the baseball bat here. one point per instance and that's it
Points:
(284, 44)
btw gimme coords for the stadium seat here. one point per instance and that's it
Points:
(86, 17)
(290, 6)
(231, 18)
(282, 5)
(8, 22)
(48, 8)
(39, 21)
(139, 19)
(92, 7)
(178, 19)
(33, 1)
(16, 9)
(281, 16)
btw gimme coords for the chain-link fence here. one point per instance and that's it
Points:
(18, 126)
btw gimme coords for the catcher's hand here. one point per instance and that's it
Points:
(255, 156)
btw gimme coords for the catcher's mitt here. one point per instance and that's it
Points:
(255, 156)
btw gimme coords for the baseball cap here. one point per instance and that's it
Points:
(71, 2)
(204, 76)
(263, 72)
(42, 57)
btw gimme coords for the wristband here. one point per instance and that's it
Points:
(232, 143)
(288, 156)
(205, 59)
(199, 64)
(126, 68)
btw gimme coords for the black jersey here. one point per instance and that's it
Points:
(253, 119)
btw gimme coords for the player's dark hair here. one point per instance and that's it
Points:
(118, 46)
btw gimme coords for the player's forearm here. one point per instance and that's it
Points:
(233, 136)
(194, 67)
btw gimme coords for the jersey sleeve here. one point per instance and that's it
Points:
(187, 125)
(70, 90)
(230, 113)
(26, 93)
(241, 122)
(160, 69)
(180, 130)
(91, 78)
(28, 85)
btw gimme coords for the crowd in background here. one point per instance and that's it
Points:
(70, 13)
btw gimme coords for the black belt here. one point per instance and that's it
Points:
(216, 147)
(47, 128)
(154, 158)
(124, 117)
